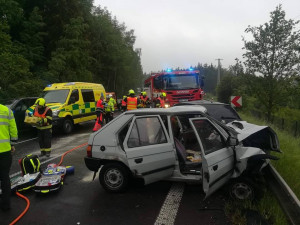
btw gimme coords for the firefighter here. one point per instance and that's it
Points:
(132, 101)
(8, 137)
(44, 126)
(123, 104)
(160, 101)
(109, 109)
(145, 101)
(99, 113)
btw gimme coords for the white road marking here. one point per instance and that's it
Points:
(20, 142)
(168, 212)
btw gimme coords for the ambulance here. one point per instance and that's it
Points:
(71, 103)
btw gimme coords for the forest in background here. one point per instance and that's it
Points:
(48, 41)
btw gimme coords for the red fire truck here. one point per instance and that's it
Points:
(180, 86)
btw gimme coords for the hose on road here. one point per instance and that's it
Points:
(27, 200)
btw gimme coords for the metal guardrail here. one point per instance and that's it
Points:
(285, 196)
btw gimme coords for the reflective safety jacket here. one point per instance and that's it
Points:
(144, 101)
(45, 114)
(8, 129)
(110, 105)
(132, 103)
(99, 106)
(160, 103)
(123, 103)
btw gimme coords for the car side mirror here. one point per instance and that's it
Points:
(232, 141)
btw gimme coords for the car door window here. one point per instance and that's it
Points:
(74, 96)
(211, 138)
(88, 95)
(146, 131)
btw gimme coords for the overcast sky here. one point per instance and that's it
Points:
(181, 33)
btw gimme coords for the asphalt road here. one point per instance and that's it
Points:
(83, 201)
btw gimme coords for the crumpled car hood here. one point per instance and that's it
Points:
(252, 135)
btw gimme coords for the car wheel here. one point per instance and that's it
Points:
(68, 126)
(114, 177)
(242, 189)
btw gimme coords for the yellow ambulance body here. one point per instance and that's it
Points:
(72, 103)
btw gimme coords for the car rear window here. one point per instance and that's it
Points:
(146, 131)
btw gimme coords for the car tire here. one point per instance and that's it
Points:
(67, 126)
(242, 190)
(114, 177)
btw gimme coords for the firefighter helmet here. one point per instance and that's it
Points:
(131, 92)
(163, 94)
(40, 101)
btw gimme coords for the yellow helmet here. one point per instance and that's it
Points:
(163, 94)
(131, 92)
(40, 101)
(144, 93)
(124, 96)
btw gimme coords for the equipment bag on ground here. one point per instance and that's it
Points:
(30, 164)
(23, 183)
(48, 184)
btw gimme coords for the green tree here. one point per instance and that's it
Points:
(273, 55)
(32, 38)
(71, 60)
(14, 68)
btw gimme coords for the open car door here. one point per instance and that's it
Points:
(217, 158)
(148, 148)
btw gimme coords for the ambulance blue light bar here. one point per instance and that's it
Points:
(49, 85)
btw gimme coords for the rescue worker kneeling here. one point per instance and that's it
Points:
(109, 109)
(44, 126)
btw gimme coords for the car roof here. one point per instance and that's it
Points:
(168, 111)
(201, 102)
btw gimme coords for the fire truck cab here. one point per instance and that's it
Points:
(180, 86)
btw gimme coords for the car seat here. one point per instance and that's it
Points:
(182, 157)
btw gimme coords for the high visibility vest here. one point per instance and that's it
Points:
(123, 102)
(131, 103)
(110, 106)
(162, 102)
(43, 115)
(8, 129)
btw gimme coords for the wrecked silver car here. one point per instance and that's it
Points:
(178, 144)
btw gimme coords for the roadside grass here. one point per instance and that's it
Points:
(288, 166)
(267, 207)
